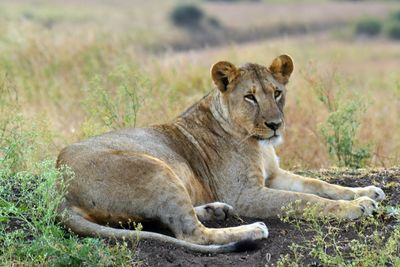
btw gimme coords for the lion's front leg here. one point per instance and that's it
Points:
(263, 202)
(285, 180)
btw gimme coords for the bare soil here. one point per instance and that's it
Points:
(282, 235)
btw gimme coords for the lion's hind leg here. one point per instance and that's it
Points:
(215, 211)
(186, 226)
(180, 217)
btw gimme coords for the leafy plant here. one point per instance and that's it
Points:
(29, 230)
(15, 147)
(113, 102)
(339, 132)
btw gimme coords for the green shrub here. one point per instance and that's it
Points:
(29, 232)
(186, 15)
(393, 30)
(396, 16)
(113, 102)
(16, 146)
(339, 132)
(214, 22)
(368, 26)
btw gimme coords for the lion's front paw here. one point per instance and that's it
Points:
(363, 206)
(372, 192)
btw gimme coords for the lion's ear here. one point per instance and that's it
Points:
(281, 68)
(222, 74)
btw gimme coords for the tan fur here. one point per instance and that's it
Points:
(220, 149)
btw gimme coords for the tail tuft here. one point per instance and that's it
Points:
(247, 245)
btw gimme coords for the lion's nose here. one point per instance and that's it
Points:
(274, 125)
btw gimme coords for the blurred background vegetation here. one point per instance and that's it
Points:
(81, 68)
(73, 69)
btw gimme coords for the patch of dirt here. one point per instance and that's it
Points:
(282, 235)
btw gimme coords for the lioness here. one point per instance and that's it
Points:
(215, 158)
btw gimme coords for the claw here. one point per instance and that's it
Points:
(362, 209)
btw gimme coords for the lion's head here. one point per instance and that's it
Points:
(253, 96)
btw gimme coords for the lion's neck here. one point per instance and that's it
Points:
(221, 114)
(210, 113)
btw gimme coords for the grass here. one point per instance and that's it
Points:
(66, 75)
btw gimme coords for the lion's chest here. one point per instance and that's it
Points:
(254, 164)
(269, 162)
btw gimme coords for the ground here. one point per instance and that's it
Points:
(282, 234)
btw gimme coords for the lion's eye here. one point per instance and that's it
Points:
(277, 94)
(251, 98)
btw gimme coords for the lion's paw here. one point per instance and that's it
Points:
(363, 206)
(372, 192)
(214, 211)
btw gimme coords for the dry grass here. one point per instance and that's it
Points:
(49, 55)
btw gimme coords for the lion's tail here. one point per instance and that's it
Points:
(82, 226)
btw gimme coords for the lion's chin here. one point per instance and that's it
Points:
(271, 141)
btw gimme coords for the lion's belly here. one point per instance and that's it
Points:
(196, 190)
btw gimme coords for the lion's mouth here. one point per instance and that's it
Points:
(264, 138)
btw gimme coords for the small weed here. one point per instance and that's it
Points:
(113, 102)
(323, 240)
